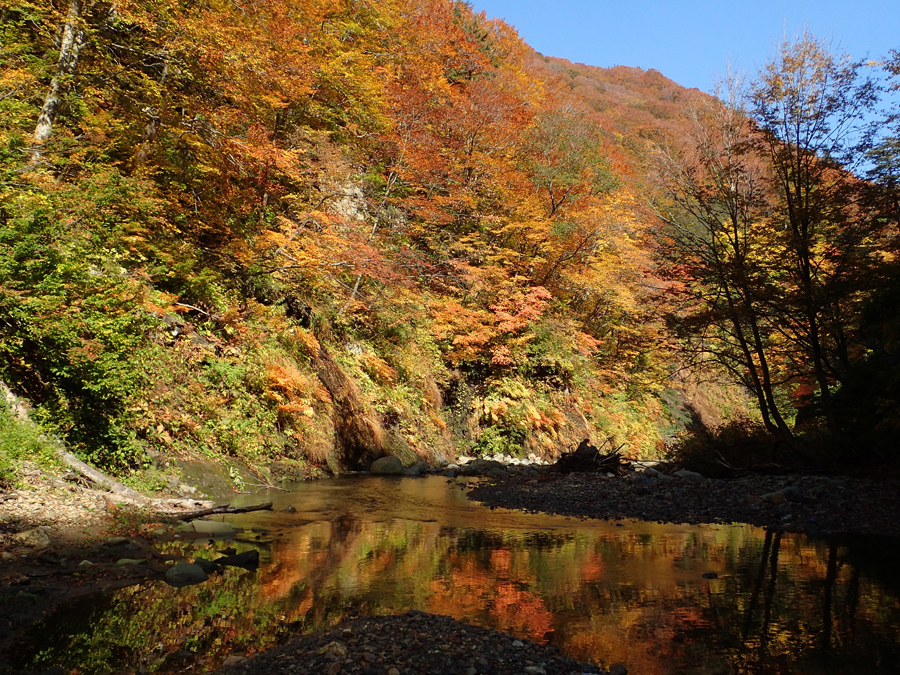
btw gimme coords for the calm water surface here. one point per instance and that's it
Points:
(602, 592)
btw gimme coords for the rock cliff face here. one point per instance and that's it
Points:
(358, 436)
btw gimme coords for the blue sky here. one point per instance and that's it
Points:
(693, 41)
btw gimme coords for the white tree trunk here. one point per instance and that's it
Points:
(73, 39)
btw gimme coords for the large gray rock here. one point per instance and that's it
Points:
(689, 475)
(185, 574)
(387, 466)
(421, 466)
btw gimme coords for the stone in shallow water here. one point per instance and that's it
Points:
(387, 466)
(207, 566)
(248, 560)
(185, 574)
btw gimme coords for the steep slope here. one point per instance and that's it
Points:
(316, 232)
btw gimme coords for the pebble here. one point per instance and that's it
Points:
(60, 509)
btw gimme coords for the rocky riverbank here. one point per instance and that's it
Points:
(60, 540)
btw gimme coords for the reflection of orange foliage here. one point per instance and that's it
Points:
(521, 613)
(471, 589)
(462, 595)
(592, 569)
(500, 560)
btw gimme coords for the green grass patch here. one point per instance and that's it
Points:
(20, 443)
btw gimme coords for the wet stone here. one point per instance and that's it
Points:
(185, 574)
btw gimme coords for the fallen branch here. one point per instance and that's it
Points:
(199, 513)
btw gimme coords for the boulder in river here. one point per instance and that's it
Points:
(387, 466)
(418, 469)
(185, 574)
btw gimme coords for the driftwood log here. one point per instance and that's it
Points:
(215, 510)
(587, 458)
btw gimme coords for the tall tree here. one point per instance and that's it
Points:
(813, 104)
(73, 39)
(770, 228)
(716, 196)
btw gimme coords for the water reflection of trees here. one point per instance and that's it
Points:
(781, 603)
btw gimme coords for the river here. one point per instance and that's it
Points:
(662, 599)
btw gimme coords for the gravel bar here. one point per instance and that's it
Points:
(811, 504)
(414, 642)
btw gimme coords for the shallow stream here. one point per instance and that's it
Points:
(662, 599)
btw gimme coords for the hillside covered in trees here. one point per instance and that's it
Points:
(315, 232)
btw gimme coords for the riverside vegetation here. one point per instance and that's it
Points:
(294, 236)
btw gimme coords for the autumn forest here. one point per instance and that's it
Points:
(308, 233)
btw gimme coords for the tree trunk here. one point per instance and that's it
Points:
(73, 39)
